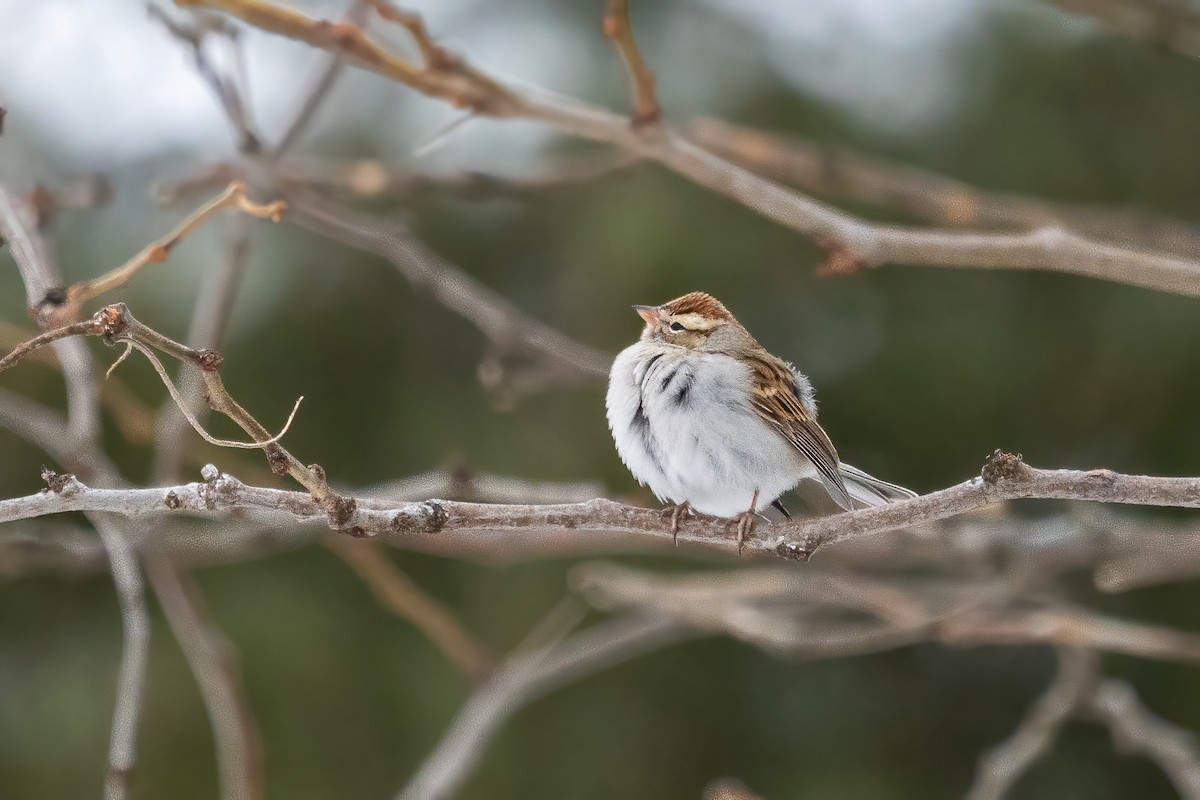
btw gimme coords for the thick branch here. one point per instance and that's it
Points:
(1174, 24)
(832, 171)
(853, 241)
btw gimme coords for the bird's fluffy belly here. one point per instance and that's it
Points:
(684, 426)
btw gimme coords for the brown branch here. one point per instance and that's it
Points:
(158, 251)
(1173, 24)
(853, 242)
(833, 171)
(399, 594)
(312, 99)
(619, 31)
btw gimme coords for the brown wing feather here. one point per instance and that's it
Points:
(773, 395)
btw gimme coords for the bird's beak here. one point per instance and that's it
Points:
(649, 314)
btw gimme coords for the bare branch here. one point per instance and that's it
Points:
(401, 595)
(833, 171)
(853, 242)
(1136, 729)
(312, 99)
(135, 646)
(213, 662)
(794, 539)
(523, 679)
(224, 87)
(1173, 24)
(157, 252)
(641, 79)
(1001, 767)
(502, 323)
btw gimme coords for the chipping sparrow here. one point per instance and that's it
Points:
(710, 420)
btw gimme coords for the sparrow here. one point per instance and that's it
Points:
(711, 422)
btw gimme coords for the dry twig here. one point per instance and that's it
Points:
(853, 241)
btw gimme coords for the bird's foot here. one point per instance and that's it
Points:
(745, 523)
(677, 513)
(745, 527)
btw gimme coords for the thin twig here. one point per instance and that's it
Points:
(617, 29)
(158, 251)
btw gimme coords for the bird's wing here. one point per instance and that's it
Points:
(777, 402)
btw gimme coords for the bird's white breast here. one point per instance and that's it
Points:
(684, 425)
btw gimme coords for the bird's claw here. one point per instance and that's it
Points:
(745, 527)
(677, 513)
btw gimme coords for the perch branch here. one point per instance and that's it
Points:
(1004, 478)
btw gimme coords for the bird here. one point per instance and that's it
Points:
(713, 423)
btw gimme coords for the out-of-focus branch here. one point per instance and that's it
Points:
(401, 595)
(853, 242)
(831, 171)
(1005, 478)
(728, 789)
(135, 645)
(312, 99)
(506, 327)
(1136, 729)
(79, 441)
(213, 662)
(641, 79)
(1173, 24)
(524, 678)
(157, 252)
(229, 94)
(1001, 767)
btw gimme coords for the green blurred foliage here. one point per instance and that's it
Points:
(921, 373)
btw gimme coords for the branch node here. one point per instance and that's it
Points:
(209, 360)
(172, 501)
(277, 459)
(210, 473)
(793, 552)
(840, 258)
(64, 484)
(1002, 466)
(340, 510)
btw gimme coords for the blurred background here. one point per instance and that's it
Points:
(921, 374)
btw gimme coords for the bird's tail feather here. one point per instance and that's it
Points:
(868, 491)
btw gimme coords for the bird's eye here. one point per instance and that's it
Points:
(675, 326)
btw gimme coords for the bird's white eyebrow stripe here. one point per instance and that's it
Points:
(695, 322)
